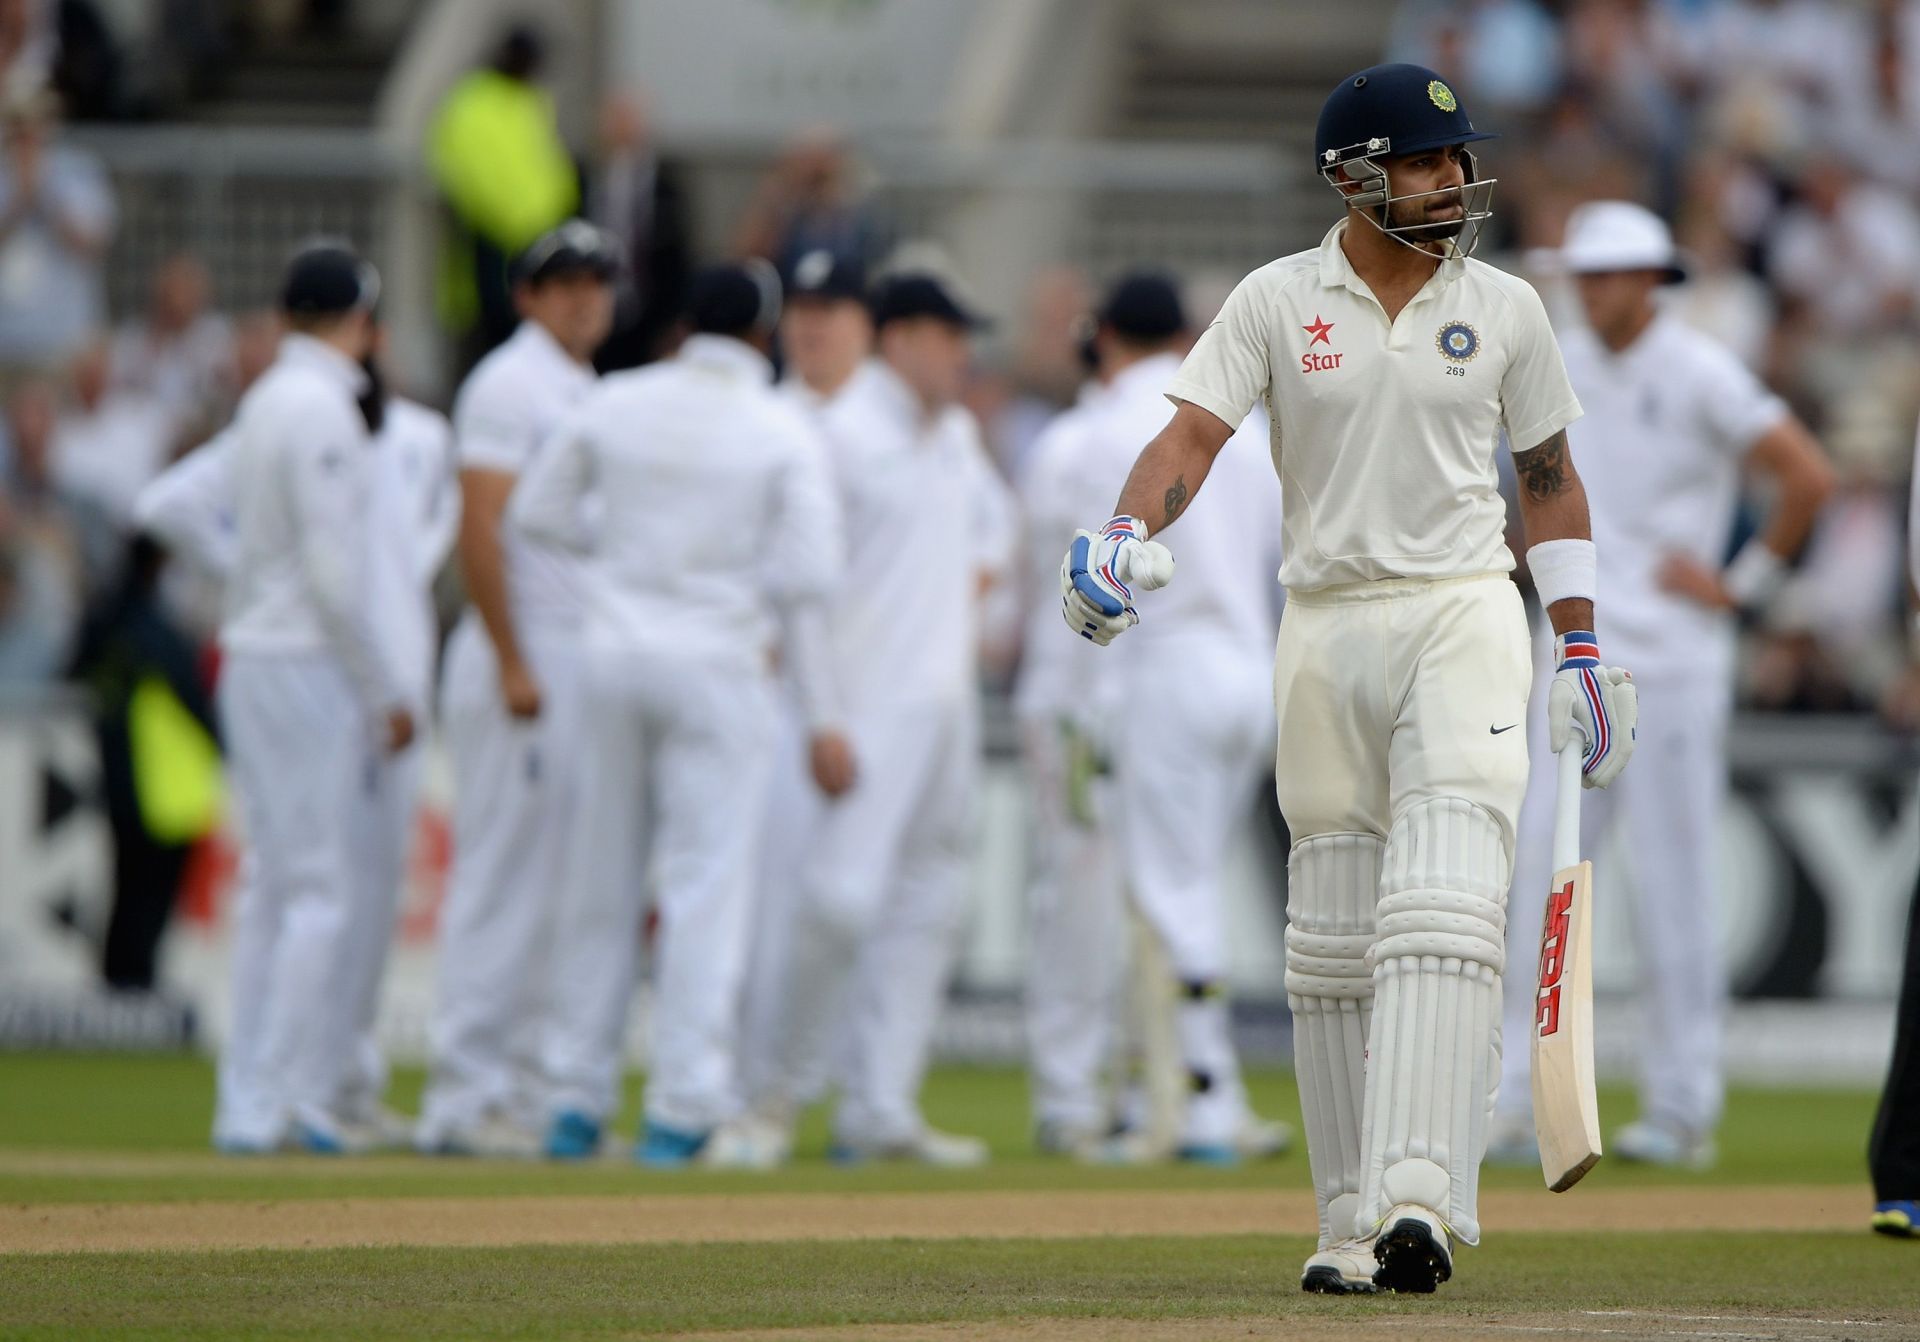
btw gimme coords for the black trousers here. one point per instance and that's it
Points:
(1894, 1154)
(146, 874)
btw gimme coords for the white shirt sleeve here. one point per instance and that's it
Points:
(545, 504)
(804, 562)
(1536, 399)
(1736, 406)
(330, 480)
(1231, 365)
(491, 427)
(188, 507)
(439, 502)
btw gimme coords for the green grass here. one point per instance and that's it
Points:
(163, 1104)
(637, 1291)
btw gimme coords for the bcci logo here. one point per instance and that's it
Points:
(1458, 341)
(1442, 97)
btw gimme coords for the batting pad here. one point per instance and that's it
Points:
(1436, 1021)
(1333, 881)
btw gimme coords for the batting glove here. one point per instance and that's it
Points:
(1600, 701)
(1094, 577)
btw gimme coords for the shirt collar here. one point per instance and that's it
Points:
(540, 342)
(1155, 369)
(893, 392)
(724, 352)
(303, 351)
(1337, 272)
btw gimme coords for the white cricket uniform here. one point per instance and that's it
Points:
(1197, 678)
(415, 511)
(310, 675)
(511, 799)
(1402, 658)
(881, 895)
(1669, 421)
(717, 520)
(1076, 908)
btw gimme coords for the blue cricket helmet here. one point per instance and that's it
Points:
(1393, 109)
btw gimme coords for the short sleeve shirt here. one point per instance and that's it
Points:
(1385, 433)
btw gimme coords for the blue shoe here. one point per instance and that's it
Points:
(665, 1148)
(1218, 1154)
(573, 1136)
(316, 1141)
(1899, 1218)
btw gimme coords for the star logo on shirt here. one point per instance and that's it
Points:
(1321, 331)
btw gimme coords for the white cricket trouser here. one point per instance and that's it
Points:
(1666, 806)
(1186, 758)
(382, 847)
(512, 801)
(1401, 774)
(1077, 922)
(878, 917)
(672, 784)
(306, 771)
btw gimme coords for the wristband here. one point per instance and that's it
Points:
(1576, 648)
(1124, 526)
(1564, 570)
(1755, 575)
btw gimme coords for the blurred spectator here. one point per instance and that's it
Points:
(1778, 68)
(1720, 297)
(1507, 51)
(56, 219)
(108, 443)
(637, 198)
(27, 47)
(1847, 253)
(497, 155)
(179, 353)
(38, 608)
(154, 722)
(256, 344)
(1047, 371)
(809, 202)
(79, 539)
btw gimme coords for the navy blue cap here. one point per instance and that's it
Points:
(1144, 305)
(734, 299)
(921, 293)
(823, 273)
(573, 248)
(1408, 106)
(328, 277)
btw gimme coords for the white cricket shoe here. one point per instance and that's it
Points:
(493, 1137)
(1263, 1138)
(1414, 1250)
(1649, 1143)
(745, 1143)
(1511, 1142)
(1054, 1137)
(1134, 1147)
(1342, 1268)
(929, 1146)
(375, 1129)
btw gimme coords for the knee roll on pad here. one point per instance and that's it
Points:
(1448, 866)
(1333, 883)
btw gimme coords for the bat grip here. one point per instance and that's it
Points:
(1566, 801)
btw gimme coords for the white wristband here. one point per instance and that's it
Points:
(1564, 570)
(1755, 575)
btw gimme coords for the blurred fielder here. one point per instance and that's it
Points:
(881, 894)
(1390, 362)
(1672, 421)
(716, 521)
(316, 697)
(510, 714)
(414, 510)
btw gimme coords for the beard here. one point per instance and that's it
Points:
(1414, 217)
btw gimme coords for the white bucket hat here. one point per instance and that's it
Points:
(1612, 235)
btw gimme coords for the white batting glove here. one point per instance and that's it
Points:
(1600, 701)
(1099, 573)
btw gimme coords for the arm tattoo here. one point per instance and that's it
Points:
(1543, 470)
(1176, 500)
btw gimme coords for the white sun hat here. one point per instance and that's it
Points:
(1613, 235)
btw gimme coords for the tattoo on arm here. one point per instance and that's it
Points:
(1544, 470)
(1176, 500)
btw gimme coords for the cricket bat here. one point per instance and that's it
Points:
(1566, 1108)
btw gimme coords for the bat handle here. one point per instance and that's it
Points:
(1566, 802)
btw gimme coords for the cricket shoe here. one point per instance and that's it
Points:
(1346, 1267)
(738, 1145)
(929, 1146)
(1133, 1147)
(573, 1136)
(1056, 1137)
(493, 1137)
(1263, 1138)
(1649, 1143)
(1414, 1250)
(1899, 1218)
(374, 1130)
(1511, 1144)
